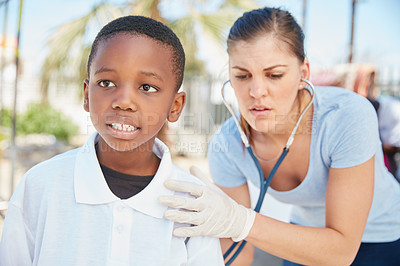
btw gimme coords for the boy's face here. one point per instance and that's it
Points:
(131, 91)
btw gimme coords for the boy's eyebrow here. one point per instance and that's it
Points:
(146, 73)
(151, 74)
(104, 69)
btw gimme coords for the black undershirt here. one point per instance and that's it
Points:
(122, 185)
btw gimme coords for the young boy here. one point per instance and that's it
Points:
(97, 205)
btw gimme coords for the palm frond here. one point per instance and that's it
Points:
(240, 5)
(149, 8)
(68, 45)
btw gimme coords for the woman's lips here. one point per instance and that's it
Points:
(258, 111)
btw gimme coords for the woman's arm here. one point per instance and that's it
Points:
(348, 201)
(241, 195)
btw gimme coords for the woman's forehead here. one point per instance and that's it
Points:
(269, 50)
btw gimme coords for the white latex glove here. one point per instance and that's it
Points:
(212, 212)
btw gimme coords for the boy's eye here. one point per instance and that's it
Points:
(148, 88)
(106, 83)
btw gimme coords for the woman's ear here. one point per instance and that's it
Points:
(305, 72)
(305, 69)
(177, 107)
(86, 95)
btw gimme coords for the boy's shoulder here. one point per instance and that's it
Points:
(183, 175)
(51, 170)
(53, 173)
(60, 162)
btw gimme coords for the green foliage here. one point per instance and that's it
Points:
(5, 118)
(5, 123)
(41, 118)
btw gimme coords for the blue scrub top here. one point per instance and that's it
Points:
(344, 134)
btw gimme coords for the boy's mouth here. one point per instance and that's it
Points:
(123, 127)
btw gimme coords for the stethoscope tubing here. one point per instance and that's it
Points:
(264, 184)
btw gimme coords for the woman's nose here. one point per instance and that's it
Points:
(125, 99)
(258, 89)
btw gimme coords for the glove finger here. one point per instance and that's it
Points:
(194, 170)
(182, 186)
(187, 231)
(181, 202)
(184, 217)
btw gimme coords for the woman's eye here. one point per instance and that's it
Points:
(244, 76)
(275, 75)
(106, 83)
(148, 88)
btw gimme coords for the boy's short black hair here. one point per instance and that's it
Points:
(139, 25)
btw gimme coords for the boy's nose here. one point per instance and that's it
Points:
(125, 99)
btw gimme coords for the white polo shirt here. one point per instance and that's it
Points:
(63, 213)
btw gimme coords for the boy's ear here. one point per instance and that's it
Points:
(86, 95)
(177, 107)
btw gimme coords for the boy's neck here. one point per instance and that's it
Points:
(140, 161)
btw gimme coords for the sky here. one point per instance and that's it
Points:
(327, 28)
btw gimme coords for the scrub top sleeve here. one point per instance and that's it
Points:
(222, 165)
(16, 246)
(354, 137)
(204, 251)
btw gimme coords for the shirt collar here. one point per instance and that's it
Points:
(91, 187)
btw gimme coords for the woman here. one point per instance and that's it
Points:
(333, 174)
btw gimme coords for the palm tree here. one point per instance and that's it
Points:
(69, 46)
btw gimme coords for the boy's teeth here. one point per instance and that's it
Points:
(122, 127)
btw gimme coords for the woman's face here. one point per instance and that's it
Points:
(266, 78)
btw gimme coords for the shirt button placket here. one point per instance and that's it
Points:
(122, 217)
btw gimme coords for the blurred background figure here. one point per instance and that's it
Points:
(388, 109)
(360, 78)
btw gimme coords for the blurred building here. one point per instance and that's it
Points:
(63, 94)
(384, 95)
(362, 78)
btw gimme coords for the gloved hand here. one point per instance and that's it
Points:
(212, 212)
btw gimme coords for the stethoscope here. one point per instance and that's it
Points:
(264, 183)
